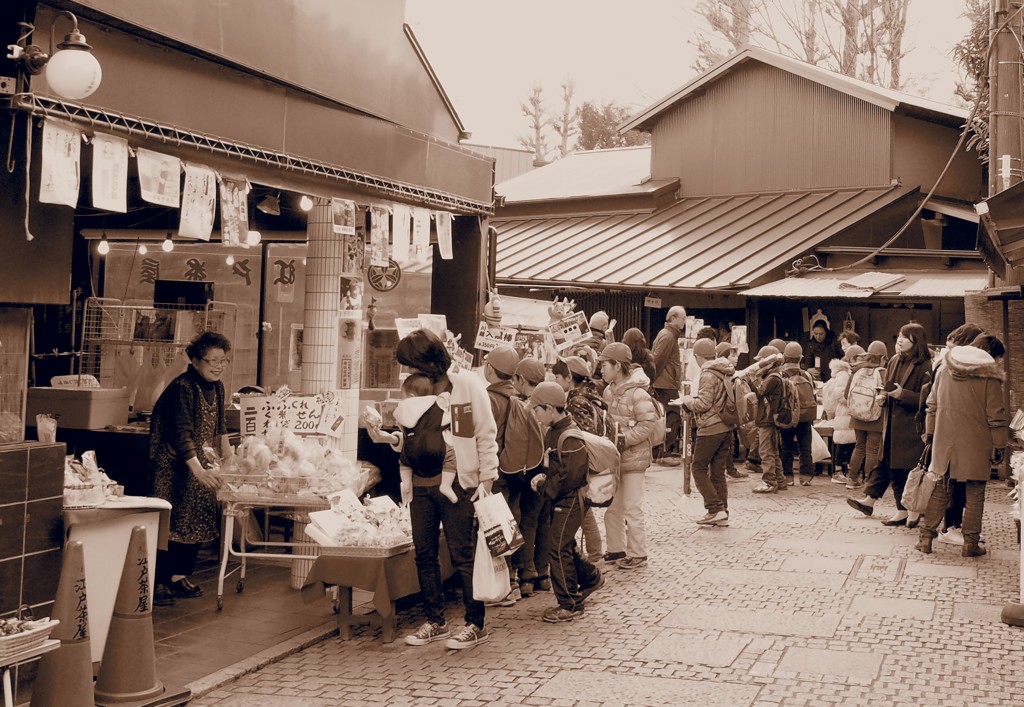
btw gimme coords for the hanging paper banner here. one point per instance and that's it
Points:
(198, 202)
(159, 178)
(110, 173)
(443, 221)
(62, 156)
(420, 235)
(234, 212)
(401, 217)
(343, 213)
(569, 331)
(379, 236)
(488, 337)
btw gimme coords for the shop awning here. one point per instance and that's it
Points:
(713, 242)
(918, 284)
(1001, 237)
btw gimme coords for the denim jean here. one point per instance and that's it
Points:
(428, 511)
(709, 457)
(624, 526)
(797, 440)
(570, 571)
(865, 454)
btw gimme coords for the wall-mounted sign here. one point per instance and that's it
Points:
(652, 302)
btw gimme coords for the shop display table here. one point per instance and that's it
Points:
(105, 532)
(6, 664)
(389, 578)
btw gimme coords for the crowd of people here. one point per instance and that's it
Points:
(887, 415)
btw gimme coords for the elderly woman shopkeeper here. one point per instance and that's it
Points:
(188, 420)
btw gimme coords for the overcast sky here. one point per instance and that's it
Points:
(489, 54)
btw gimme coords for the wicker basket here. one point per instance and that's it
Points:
(16, 643)
(341, 551)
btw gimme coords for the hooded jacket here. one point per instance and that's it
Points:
(707, 405)
(833, 397)
(966, 414)
(865, 425)
(631, 406)
(769, 395)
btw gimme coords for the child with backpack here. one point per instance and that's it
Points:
(795, 437)
(419, 398)
(770, 385)
(714, 410)
(833, 400)
(561, 482)
(866, 375)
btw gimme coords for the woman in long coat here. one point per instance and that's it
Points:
(907, 373)
(967, 426)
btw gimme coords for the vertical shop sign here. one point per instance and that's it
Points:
(234, 214)
(110, 173)
(401, 222)
(420, 235)
(343, 214)
(62, 156)
(159, 178)
(198, 202)
(379, 236)
(443, 221)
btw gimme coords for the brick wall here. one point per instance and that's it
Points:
(989, 316)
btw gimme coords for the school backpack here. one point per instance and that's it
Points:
(603, 470)
(788, 414)
(805, 390)
(861, 392)
(423, 448)
(657, 435)
(590, 414)
(524, 440)
(729, 412)
(746, 402)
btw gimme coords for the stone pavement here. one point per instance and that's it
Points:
(801, 601)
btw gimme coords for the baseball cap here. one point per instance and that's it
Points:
(777, 344)
(793, 350)
(531, 369)
(878, 348)
(705, 348)
(548, 393)
(724, 347)
(503, 359)
(616, 351)
(765, 352)
(577, 366)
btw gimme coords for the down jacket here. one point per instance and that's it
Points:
(966, 414)
(707, 404)
(631, 406)
(833, 398)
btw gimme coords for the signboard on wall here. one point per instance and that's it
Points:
(379, 364)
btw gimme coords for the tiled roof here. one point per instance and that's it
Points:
(714, 242)
(842, 285)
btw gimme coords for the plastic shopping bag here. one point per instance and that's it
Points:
(490, 574)
(498, 525)
(819, 450)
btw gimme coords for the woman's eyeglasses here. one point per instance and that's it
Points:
(219, 363)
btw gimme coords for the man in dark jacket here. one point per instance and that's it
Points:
(668, 373)
(820, 350)
(562, 479)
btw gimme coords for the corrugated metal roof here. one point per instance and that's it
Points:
(884, 97)
(916, 284)
(622, 170)
(718, 242)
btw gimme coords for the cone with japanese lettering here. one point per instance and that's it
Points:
(128, 671)
(65, 674)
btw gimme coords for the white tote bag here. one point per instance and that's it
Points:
(819, 450)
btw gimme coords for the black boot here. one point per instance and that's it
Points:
(924, 545)
(972, 550)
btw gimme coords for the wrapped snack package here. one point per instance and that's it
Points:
(370, 417)
(46, 429)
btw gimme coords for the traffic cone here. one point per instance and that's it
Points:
(128, 670)
(65, 674)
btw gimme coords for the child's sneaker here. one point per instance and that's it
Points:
(427, 633)
(713, 518)
(542, 584)
(467, 637)
(558, 614)
(632, 563)
(614, 556)
(839, 478)
(764, 488)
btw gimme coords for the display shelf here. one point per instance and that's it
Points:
(139, 346)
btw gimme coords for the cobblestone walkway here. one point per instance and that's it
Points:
(801, 601)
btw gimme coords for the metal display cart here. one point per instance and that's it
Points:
(240, 494)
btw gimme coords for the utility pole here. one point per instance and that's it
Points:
(1005, 76)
